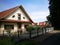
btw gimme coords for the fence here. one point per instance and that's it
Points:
(33, 33)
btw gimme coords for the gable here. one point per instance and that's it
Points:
(6, 12)
(14, 12)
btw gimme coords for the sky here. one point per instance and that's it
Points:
(37, 9)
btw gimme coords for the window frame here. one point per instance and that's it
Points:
(19, 16)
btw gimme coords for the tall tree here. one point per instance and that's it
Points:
(54, 7)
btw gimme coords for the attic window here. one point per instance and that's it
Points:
(13, 16)
(23, 17)
(19, 14)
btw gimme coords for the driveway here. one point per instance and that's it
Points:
(52, 40)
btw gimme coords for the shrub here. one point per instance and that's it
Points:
(37, 27)
(29, 28)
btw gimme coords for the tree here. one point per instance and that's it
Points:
(37, 28)
(54, 9)
(49, 18)
(29, 28)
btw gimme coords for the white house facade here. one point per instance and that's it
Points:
(14, 19)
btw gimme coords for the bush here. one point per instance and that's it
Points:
(29, 28)
(37, 27)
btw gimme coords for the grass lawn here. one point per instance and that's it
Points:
(7, 41)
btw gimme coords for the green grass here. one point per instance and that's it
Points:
(25, 43)
(7, 41)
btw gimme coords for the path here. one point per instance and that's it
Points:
(51, 38)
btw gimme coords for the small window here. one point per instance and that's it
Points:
(19, 14)
(23, 17)
(13, 16)
(8, 27)
(19, 18)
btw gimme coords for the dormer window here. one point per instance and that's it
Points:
(13, 16)
(19, 16)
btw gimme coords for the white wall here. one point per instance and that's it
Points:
(16, 15)
(2, 26)
(15, 26)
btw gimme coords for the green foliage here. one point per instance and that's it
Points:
(54, 9)
(25, 42)
(6, 41)
(37, 27)
(29, 28)
(49, 19)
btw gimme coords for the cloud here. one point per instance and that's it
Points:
(35, 7)
(31, 7)
(39, 16)
(37, 12)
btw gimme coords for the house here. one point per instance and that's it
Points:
(42, 24)
(34, 24)
(45, 23)
(14, 19)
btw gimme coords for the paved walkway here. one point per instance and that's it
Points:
(55, 31)
(52, 40)
(47, 39)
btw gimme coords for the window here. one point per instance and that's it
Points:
(19, 16)
(19, 26)
(13, 16)
(6, 27)
(23, 17)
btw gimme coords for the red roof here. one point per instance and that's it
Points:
(5, 13)
(42, 23)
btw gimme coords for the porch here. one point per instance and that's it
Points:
(14, 27)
